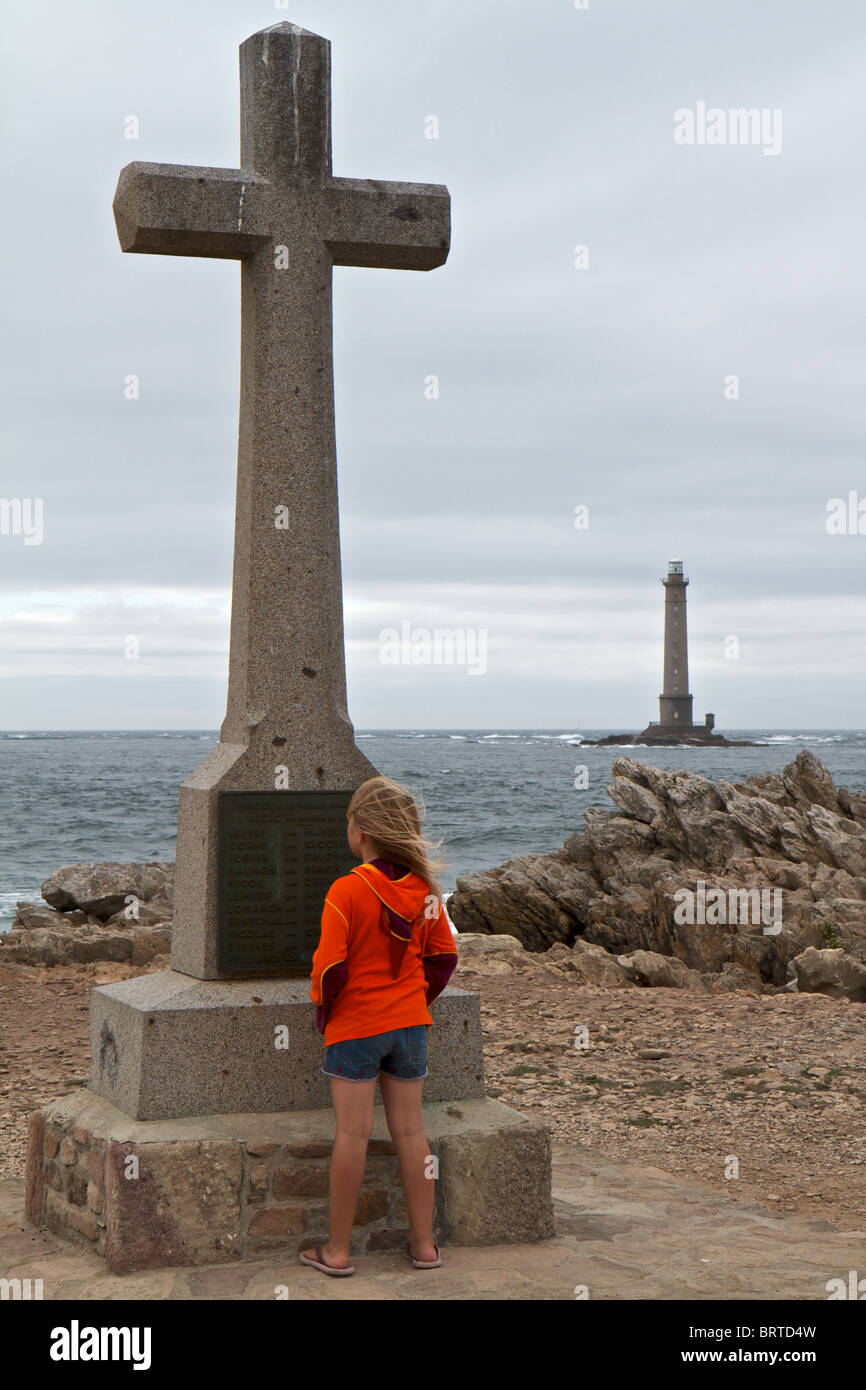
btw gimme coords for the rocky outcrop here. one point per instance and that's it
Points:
(493, 955)
(104, 890)
(592, 965)
(662, 972)
(97, 912)
(586, 964)
(830, 972)
(623, 883)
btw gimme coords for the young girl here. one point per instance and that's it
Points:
(385, 952)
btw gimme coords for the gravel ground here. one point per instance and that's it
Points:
(44, 1043)
(777, 1082)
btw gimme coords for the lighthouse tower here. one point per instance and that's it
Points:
(675, 702)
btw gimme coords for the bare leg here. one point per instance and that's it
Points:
(353, 1106)
(402, 1100)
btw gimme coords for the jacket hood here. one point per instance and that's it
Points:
(403, 894)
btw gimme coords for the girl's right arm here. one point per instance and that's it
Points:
(330, 968)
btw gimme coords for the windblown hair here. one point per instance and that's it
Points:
(389, 814)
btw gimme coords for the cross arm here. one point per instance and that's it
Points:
(392, 226)
(184, 210)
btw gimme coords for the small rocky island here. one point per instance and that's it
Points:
(698, 736)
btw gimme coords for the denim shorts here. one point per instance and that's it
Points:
(402, 1054)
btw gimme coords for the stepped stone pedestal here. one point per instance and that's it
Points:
(205, 1133)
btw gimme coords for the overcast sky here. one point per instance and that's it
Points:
(604, 386)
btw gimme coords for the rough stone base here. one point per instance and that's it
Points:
(147, 1194)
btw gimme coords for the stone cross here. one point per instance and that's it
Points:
(288, 220)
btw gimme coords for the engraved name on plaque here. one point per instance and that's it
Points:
(279, 853)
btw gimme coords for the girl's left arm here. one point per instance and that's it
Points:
(439, 956)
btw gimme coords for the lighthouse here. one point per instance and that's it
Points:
(675, 702)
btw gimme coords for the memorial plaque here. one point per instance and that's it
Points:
(279, 853)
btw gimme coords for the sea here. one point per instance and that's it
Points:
(489, 794)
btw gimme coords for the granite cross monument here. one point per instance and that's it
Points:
(253, 864)
(206, 1087)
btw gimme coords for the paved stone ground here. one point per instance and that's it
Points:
(623, 1231)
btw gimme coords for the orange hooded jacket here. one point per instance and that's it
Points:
(380, 959)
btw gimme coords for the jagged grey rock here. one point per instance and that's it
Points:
(105, 889)
(615, 884)
(649, 968)
(33, 916)
(592, 965)
(100, 912)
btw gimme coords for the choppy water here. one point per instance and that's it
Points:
(493, 794)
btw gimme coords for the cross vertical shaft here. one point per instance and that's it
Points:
(286, 655)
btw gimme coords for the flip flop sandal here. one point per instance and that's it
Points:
(319, 1263)
(425, 1264)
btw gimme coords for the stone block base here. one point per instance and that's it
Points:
(147, 1194)
(165, 1045)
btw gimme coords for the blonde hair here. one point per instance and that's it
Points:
(389, 814)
